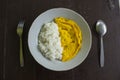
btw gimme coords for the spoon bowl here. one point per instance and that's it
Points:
(101, 28)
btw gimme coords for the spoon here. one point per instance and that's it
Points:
(101, 30)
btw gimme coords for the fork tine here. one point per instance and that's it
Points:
(21, 23)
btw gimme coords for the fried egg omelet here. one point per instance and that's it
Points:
(71, 37)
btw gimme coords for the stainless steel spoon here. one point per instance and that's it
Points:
(101, 30)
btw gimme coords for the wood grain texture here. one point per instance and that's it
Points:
(12, 11)
(1, 38)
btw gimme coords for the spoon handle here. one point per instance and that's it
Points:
(101, 52)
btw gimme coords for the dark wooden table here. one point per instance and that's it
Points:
(12, 11)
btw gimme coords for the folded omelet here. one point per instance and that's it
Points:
(71, 37)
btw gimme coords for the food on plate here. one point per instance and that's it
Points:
(60, 39)
(49, 41)
(71, 37)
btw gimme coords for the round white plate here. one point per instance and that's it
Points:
(48, 16)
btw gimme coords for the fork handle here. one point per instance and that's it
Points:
(21, 54)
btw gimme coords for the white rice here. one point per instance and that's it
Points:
(49, 41)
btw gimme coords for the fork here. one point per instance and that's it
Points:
(20, 32)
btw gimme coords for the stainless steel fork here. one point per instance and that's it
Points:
(20, 32)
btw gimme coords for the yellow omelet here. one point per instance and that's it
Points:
(71, 37)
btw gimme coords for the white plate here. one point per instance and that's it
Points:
(48, 16)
